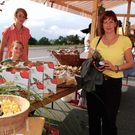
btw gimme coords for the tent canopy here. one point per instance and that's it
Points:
(83, 7)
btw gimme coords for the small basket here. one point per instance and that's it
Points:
(68, 59)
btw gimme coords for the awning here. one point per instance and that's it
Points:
(82, 7)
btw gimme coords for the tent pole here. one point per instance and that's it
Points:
(94, 19)
(128, 14)
(123, 31)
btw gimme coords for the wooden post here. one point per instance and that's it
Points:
(128, 13)
(123, 28)
(94, 19)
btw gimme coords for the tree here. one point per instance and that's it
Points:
(51, 42)
(82, 40)
(76, 39)
(32, 41)
(70, 39)
(56, 41)
(62, 40)
(44, 41)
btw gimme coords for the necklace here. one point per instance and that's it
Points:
(108, 43)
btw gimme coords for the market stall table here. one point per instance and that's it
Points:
(50, 97)
(34, 126)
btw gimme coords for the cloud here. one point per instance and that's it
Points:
(54, 28)
(74, 32)
(35, 10)
(35, 23)
(55, 31)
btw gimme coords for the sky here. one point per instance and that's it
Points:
(47, 22)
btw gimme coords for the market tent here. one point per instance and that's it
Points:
(82, 7)
(88, 8)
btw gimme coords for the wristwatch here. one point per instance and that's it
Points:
(118, 69)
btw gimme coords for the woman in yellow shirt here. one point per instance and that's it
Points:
(103, 103)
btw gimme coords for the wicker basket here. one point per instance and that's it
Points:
(67, 59)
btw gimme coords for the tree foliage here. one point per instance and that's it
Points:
(32, 41)
(71, 39)
(68, 40)
(44, 41)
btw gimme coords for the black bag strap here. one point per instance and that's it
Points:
(98, 41)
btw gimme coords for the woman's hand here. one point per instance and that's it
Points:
(100, 68)
(107, 64)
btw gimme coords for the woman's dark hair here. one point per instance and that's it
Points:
(107, 14)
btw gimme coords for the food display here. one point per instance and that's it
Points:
(32, 63)
(16, 69)
(14, 111)
(71, 80)
(5, 63)
(59, 69)
(29, 75)
(70, 57)
(71, 51)
(8, 107)
(65, 75)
